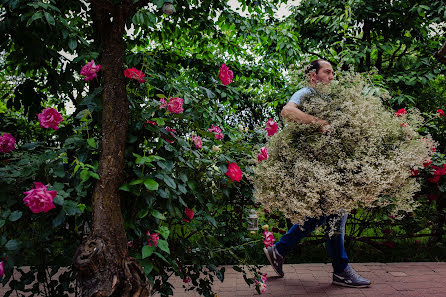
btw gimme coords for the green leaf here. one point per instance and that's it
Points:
(70, 207)
(94, 175)
(142, 213)
(157, 214)
(182, 189)
(164, 231)
(57, 221)
(211, 220)
(85, 175)
(2, 223)
(59, 171)
(151, 184)
(15, 215)
(12, 245)
(72, 44)
(35, 16)
(164, 246)
(58, 200)
(136, 182)
(124, 187)
(91, 142)
(147, 251)
(49, 18)
(161, 257)
(170, 182)
(148, 267)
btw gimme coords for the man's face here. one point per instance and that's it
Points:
(324, 75)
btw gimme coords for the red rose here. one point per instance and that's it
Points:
(225, 74)
(134, 73)
(234, 172)
(441, 112)
(271, 127)
(400, 112)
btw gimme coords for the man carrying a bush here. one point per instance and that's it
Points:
(319, 71)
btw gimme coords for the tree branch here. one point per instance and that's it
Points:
(103, 4)
(441, 55)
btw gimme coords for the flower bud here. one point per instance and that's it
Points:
(216, 148)
(265, 227)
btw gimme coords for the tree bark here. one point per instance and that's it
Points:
(104, 267)
(441, 54)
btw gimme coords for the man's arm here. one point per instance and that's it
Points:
(292, 113)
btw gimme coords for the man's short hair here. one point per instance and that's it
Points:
(314, 65)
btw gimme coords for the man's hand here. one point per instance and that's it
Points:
(325, 129)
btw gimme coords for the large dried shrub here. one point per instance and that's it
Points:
(365, 160)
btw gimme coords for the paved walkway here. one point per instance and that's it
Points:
(388, 280)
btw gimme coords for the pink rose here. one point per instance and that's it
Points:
(225, 74)
(263, 155)
(154, 237)
(197, 141)
(218, 136)
(2, 269)
(214, 129)
(217, 132)
(269, 239)
(49, 118)
(7, 142)
(441, 112)
(163, 103)
(89, 70)
(262, 285)
(189, 213)
(175, 105)
(400, 112)
(187, 279)
(271, 127)
(134, 73)
(234, 172)
(39, 199)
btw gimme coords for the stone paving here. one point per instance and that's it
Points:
(388, 280)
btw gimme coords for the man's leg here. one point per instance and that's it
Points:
(343, 274)
(277, 253)
(335, 242)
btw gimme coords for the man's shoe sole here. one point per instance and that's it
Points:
(265, 250)
(350, 286)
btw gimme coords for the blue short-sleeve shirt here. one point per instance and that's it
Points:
(297, 97)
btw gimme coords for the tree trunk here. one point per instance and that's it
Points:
(441, 54)
(105, 269)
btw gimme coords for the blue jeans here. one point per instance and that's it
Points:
(335, 243)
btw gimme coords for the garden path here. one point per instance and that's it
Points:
(419, 279)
